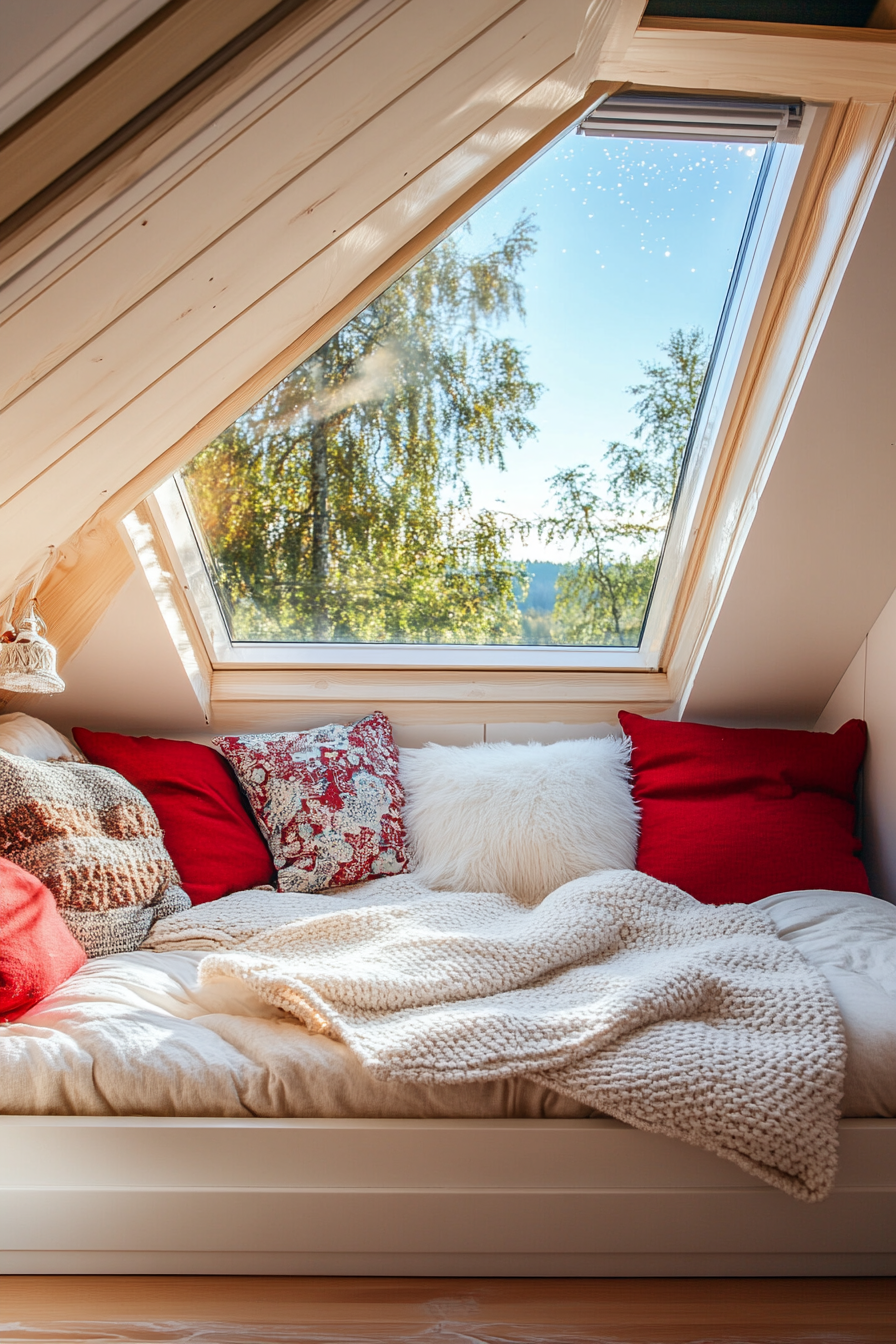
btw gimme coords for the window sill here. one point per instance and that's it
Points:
(265, 698)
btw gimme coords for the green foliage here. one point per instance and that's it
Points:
(649, 468)
(338, 508)
(617, 531)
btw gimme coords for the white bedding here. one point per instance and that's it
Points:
(851, 938)
(136, 1034)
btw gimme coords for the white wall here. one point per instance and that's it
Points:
(127, 678)
(866, 691)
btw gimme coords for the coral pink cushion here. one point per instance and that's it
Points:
(735, 814)
(329, 801)
(209, 832)
(37, 952)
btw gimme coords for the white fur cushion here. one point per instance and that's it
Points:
(518, 819)
(22, 735)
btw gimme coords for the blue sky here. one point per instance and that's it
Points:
(635, 238)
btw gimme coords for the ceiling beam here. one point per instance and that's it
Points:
(769, 59)
(179, 47)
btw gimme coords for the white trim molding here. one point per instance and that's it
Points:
(140, 1195)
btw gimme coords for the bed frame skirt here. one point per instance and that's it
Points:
(422, 1197)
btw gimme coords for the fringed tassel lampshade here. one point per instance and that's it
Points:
(27, 658)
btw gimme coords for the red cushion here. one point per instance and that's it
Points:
(37, 951)
(735, 814)
(209, 832)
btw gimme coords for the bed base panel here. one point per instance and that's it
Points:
(440, 1197)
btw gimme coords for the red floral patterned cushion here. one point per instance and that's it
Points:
(328, 801)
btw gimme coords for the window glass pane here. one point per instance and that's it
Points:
(488, 453)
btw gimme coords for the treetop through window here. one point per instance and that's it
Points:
(489, 453)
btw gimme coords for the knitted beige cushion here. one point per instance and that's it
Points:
(94, 840)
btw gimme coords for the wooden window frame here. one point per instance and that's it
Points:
(262, 683)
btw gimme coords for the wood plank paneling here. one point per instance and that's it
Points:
(172, 231)
(216, 288)
(179, 132)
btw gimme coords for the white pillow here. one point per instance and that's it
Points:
(21, 735)
(518, 819)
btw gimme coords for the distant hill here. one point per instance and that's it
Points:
(542, 586)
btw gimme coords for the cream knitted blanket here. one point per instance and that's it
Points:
(688, 1020)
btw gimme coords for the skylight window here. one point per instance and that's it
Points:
(489, 454)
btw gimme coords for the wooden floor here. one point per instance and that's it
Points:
(173, 1310)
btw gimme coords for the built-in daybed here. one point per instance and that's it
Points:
(237, 1194)
(164, 1120)
(333, 144)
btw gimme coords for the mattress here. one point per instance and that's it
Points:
(136, 1034)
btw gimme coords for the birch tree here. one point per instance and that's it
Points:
(338, 507)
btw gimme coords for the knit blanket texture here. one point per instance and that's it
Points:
(618, 990)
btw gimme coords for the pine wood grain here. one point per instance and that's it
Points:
(66, 204)
(166, 387)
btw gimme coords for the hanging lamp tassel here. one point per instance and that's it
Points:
(27, 658)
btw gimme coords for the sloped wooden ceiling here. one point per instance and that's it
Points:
(163, 293)
(171, 280)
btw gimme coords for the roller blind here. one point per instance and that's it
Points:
(650, 116)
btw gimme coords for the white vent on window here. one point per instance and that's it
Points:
(652, 116)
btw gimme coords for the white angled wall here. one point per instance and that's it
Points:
(819, 562)
(867, 691)
(127, 678)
